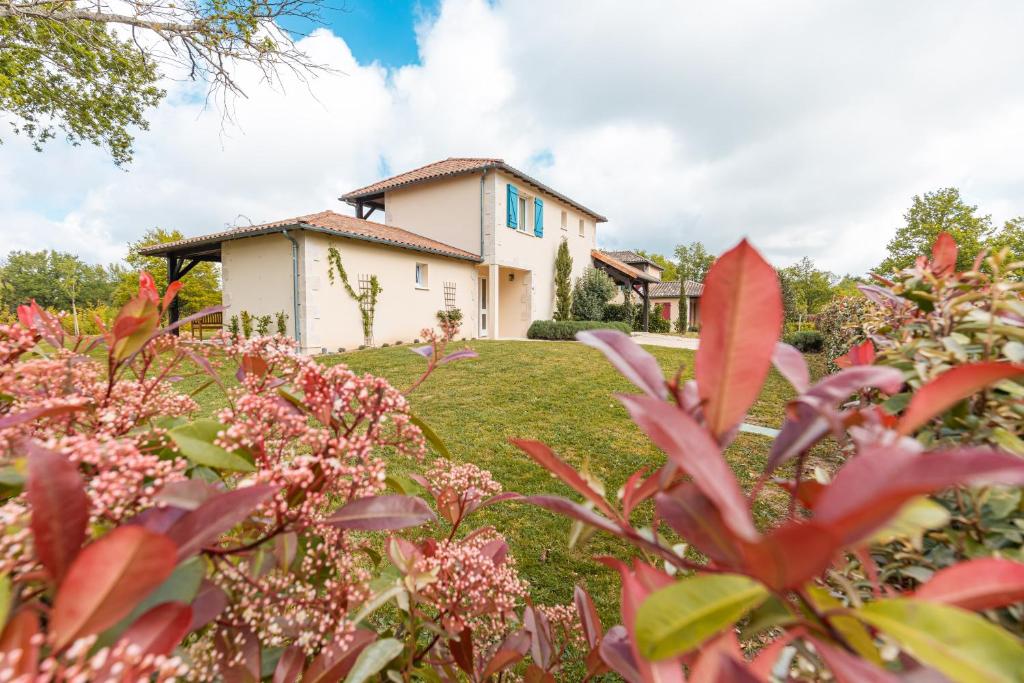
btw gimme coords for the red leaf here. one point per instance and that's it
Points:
(944, 254)
(694, 517)
(207, 605)
(635, 364)
(215, 516)
(791, 364)
(107, 580)
(290, 666)
(861, 354)
(792, 554)
(617, 653)
(872, 487)
(379, 513)
(848, 668)
(547, 459)
(505, 657)
(334, 661)
(20, 634)
(462, 651)
(568, 508)
(741, 319)
(589, 618)
(171, 292)
(692, 449)
(951, 387)
(36, 413)
(159, 630)
(976, 585)
(60, 508)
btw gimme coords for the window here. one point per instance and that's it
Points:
(421, 275)
(525, 213)
(583, 229)
(565, 220)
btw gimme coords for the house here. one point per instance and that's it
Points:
(469, 233)
(665, 293)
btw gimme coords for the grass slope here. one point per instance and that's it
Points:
(561, 393)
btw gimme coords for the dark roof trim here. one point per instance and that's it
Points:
(184, 250)
(351, 197)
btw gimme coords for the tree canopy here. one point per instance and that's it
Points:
(670, 271)
(56, 280)
(201, 288)
(90, 70)
(694, 261)
(943, 210)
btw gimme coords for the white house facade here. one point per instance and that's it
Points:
(473, 234)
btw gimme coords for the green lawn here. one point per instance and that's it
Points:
(560, 393)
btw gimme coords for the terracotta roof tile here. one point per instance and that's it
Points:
(670, 289)
(454, 166)
(618, 265)
(325, 221)
(631, 257)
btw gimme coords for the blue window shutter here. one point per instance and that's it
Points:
(538, 217)
(513, 206)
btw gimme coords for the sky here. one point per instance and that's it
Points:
(805, 125)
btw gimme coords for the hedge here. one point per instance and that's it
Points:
(567, 329)
(806, 341)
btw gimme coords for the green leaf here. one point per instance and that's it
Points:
(958, 643)
(431, 436)
(374, 658)
(913, 519)
(195, 441)
(849, 628)
(5, 599)
(678, 618)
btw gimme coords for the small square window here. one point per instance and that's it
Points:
(421, 275)
(565, 220)
(583, 230)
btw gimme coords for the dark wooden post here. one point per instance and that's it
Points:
(173, 275)
(647, 306)
(359, 210)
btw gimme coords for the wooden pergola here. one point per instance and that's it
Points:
(181, 259)
(627, 276)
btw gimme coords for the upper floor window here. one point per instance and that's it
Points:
(525, 213)
(583, 229)
(565, 220)
(421, 275)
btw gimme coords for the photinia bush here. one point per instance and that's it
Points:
(268, 542)
(734, 602)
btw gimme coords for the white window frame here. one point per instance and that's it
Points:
(565, 220)
(583, 228)
(422, 276)
(525, 222)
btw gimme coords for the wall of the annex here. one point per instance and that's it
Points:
(257, 277)
(447, 210)
(331, 318)
(524, 250)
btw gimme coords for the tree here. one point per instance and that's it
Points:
(1011, 236)
(936, 212)
(563, 282)
(670, 273)
(56, 280)
(593, 290)
(201, 287)
(694, 263)
(91, 70)
(811, 288)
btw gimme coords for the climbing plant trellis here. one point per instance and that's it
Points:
(366, 297)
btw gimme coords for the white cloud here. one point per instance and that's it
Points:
(807, 126)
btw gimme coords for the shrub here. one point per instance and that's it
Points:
(567, 329)
(655, 323)
(234, 329)
(563, 283)
(622, 313)
(807, 588)
(275, 541)
(807, 341)
(247, 322)
(450, 322)
(840, 324)
(592, 291)
(281, 319)
(263, 323)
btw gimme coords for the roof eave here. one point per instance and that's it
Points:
(161, 250)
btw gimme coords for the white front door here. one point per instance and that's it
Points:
(483, 307)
